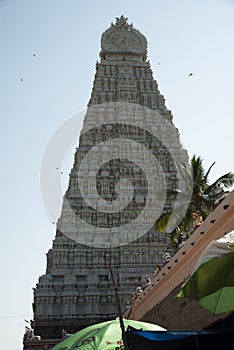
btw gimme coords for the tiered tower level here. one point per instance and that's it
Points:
(76, 290)
(124, 74)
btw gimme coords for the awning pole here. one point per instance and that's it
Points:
(119, 309)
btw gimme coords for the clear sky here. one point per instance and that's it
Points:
(38, 93)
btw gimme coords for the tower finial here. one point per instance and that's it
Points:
(122, 22)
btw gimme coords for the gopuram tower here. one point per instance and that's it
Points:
(128, 158)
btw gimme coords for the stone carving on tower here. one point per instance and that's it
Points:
(128, 153)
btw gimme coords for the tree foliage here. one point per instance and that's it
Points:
(205, 197)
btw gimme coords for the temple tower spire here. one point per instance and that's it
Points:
(124, 74)
(76, 289)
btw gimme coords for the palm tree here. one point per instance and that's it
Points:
(204, 198)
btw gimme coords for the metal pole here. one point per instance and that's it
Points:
(119, 309)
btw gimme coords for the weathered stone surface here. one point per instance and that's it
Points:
(76, 290)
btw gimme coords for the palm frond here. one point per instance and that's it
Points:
(171, 218)
(208, 171)
(161, 224)
(204, 196)
(226, 180)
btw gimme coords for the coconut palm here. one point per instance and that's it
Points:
(205, 197)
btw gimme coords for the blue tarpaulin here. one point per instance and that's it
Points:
(214, 339)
